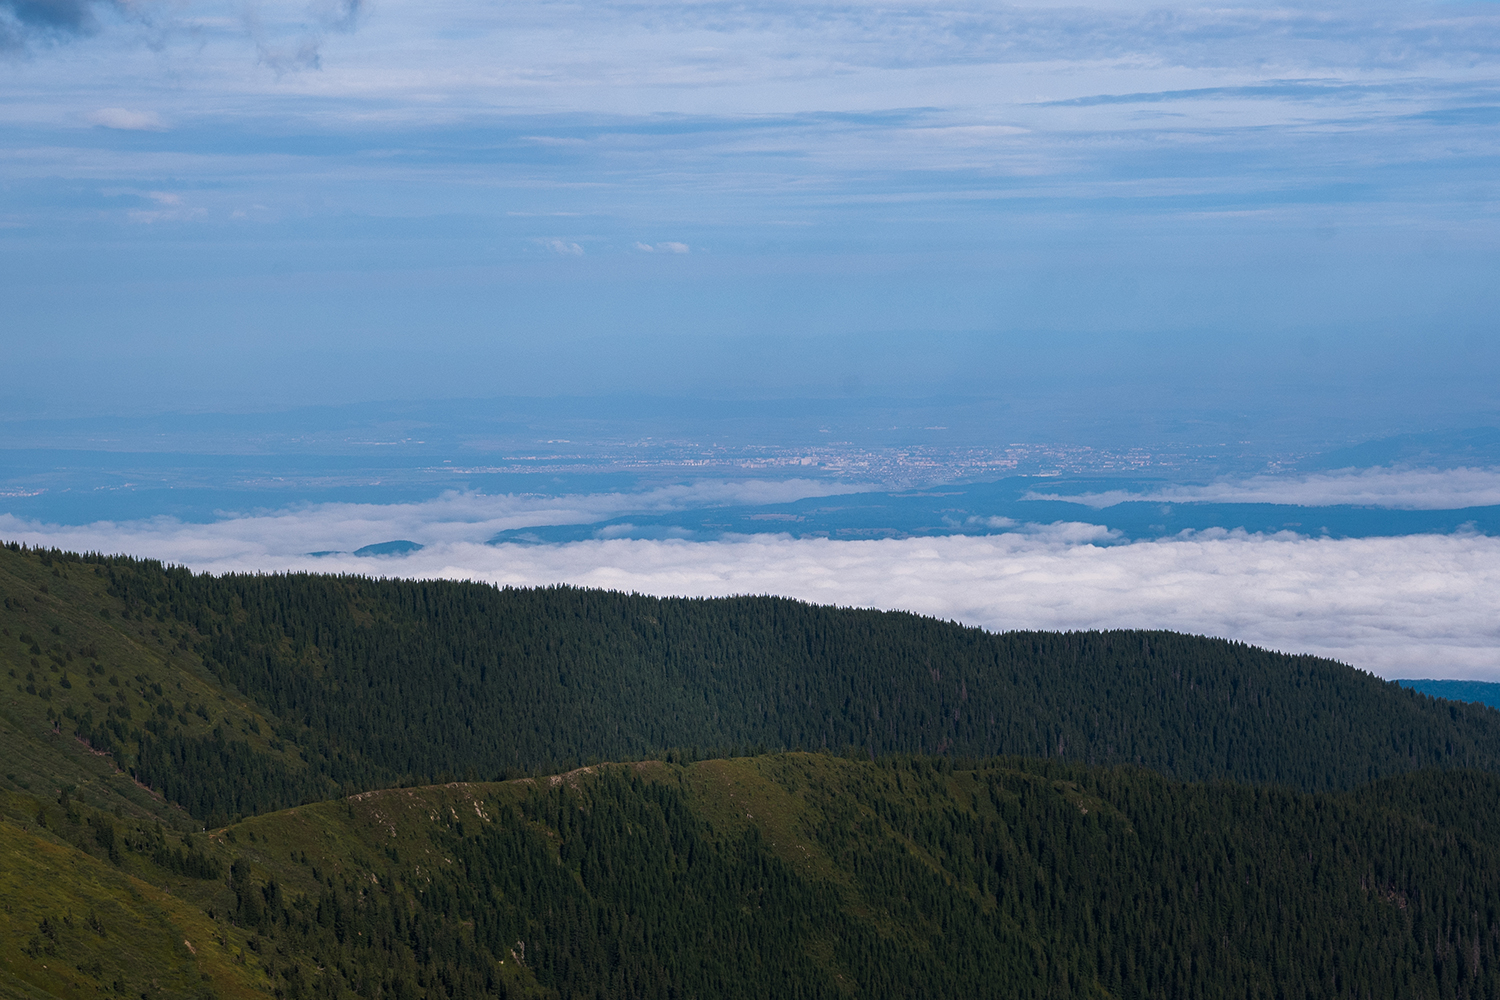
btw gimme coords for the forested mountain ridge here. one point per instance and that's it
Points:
(145, 702)
(240, 694)
(790, 875)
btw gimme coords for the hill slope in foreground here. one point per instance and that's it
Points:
(788, 875)
(294, 716)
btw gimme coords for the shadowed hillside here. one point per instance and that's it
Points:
(232, 696)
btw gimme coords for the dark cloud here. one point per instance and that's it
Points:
(71, 16)
(23, 22)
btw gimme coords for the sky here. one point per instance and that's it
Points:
(257, 204)
(285, 276)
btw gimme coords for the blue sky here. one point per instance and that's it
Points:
(259, 204)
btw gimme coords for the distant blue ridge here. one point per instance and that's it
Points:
(1484, 692)
(400, 547)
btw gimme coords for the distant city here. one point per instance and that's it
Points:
(893, 467)
(202, 467)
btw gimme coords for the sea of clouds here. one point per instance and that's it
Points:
(1409, 606)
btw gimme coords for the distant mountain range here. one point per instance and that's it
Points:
(1483, 692)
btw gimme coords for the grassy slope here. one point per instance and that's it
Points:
(826, 818)
(65, 650)
(74, 922)
(386, 837)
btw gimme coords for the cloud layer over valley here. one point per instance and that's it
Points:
(1412, 606)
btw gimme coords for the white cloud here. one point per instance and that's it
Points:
(272, 537)
(1423, 606)
(668, 247)
(124, 118)
(1413, 606)
(561, 246)
(171, 209)
(1401, 489)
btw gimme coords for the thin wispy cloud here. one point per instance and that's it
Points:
(561, 246)
(785, 101)
(1399, 489)
(128, 120)
(451, 518)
